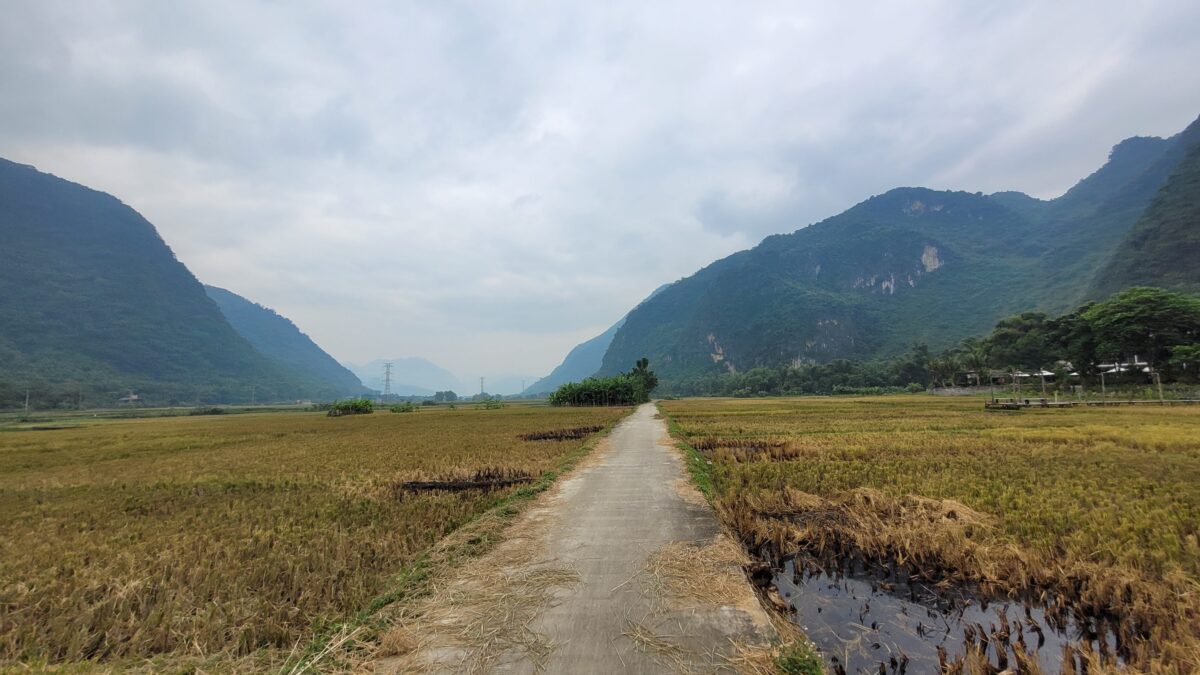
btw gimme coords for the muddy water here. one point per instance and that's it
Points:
(863, 623)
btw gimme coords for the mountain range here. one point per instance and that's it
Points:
(94, 304)
(920, 265)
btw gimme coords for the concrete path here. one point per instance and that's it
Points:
(608, 536)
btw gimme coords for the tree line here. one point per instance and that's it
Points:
(625, 389)
(1160, 328)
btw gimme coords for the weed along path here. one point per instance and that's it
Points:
(620, 568)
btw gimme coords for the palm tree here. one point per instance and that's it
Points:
(942, 370)
(976, 360)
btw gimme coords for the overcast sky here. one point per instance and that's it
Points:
(488, 184)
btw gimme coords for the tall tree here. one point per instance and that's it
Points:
(1024, 341)
(975, 359)
(1146, 322)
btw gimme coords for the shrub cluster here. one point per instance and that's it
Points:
(352, 406)
(625, 389)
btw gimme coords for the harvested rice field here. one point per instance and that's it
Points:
(918, 534)
(234, 543)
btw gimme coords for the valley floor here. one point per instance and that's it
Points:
(295, 542)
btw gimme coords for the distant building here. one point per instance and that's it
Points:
(130, 398)
(1133, 365)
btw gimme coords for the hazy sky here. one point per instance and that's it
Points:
(488, 184)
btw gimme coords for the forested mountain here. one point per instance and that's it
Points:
(94, 304)
(277, 338)
(584, 360)
(1163, 246)
(911, 265)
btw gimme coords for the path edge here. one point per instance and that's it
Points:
(792, 653)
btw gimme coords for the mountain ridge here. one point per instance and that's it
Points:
(279, 339)
(93, 304)
(909, 265)
(1164, 243)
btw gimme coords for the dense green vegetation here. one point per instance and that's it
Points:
(625, 389)
(1163, 247)
(1161, 328)
(911, 265)
(93, 305)
(909, 372)
(352, 406)
(277, 338)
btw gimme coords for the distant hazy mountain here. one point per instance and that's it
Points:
(277, 338)
(583, 360)
(1163, 246)
(497, 384)
(411, 376)
(921, 265)
(93, 303)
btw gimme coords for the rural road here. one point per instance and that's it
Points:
(620, 568)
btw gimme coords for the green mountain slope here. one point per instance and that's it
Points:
(1163, 246)
(583, 360)
(93, 304)
(277, 338)
(911, 265)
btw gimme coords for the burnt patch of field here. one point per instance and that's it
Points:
(744, 449)
(570, 434)
(483, 479)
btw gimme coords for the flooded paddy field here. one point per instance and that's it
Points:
(868, 620)
(911, 534)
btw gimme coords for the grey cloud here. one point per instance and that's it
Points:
(486, 184)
